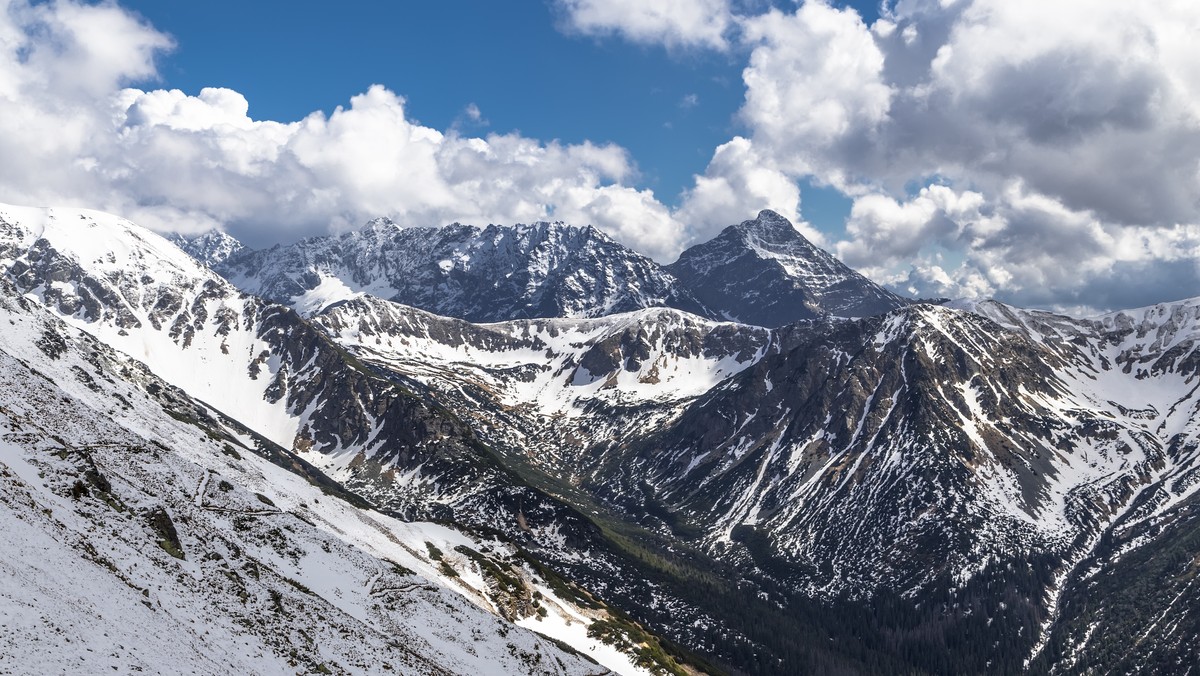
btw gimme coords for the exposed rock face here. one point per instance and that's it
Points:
(764, 272)
(491, 274)
(210, 248)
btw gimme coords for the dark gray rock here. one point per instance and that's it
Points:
(764, 272)
(210, 248)
(491, 274)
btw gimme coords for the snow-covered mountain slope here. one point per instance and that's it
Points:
(141, 534)
(1131, 606)
(933, 452)
(922, 452)
(490, 274)
(145, 297)
(264, 366)
(764, 272)
(552, 388)
(256, 362)
(1124, 606)
(1143, 363)
(1018, 441)
(209, 248)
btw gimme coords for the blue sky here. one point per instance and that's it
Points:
(668, 107)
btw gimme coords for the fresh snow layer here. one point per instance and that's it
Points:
(85, 589)
(547, 353)
(145, 272)
(336, 556)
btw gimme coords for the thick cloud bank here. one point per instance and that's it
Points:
(189, 163)
(1044, 152)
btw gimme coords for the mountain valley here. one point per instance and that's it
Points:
(753, 460)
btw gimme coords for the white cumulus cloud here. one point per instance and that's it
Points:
(1006, 136)
(814, 88)
(675, 23)
(183, 162)
(1026, 248)
(736, 185)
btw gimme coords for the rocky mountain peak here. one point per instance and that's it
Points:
(550, 233)
(381, 225)
(209, 248)
(769, 227)
(770, 236)
(763, 271)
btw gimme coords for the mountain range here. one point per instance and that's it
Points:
(762, 271)
(752, 460)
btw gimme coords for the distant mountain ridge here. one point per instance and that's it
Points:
(209, 248)
(760, 272)
(478, 274)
